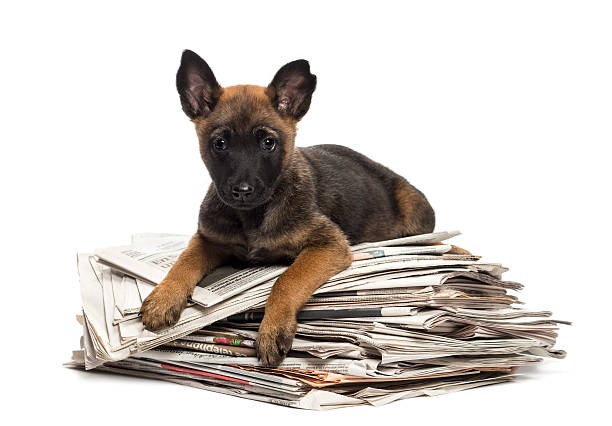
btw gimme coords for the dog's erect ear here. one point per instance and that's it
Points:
(197, 85)
(291, 89)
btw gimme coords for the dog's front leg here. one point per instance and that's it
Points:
(315, 264)
(164, 305)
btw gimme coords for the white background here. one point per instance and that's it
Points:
(499, 111)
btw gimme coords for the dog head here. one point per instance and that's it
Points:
(246, 132)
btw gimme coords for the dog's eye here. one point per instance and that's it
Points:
(268, 144)
(220, 144)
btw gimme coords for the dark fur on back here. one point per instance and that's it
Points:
(358, 194)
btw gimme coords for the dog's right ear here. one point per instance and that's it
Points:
(197, 86)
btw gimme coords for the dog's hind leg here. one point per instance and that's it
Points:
(415, 214)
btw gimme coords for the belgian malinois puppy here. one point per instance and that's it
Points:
(272, 202)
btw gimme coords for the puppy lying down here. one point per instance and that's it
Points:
(272, 202)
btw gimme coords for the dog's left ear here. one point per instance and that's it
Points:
(292, 88)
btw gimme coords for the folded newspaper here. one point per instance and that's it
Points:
(406, 319)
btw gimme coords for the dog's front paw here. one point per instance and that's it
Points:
(163, 307)
(274, 340)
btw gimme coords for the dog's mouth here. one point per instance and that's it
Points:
(243, 203)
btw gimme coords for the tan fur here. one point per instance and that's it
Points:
(168, 299)
(313, 266)
(410, 207)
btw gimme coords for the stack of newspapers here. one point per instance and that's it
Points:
(406, 319)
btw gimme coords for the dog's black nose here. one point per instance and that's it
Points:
(242, 191)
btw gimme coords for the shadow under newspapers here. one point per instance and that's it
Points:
(406, 319)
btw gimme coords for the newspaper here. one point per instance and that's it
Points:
(405, 319)
(151, 258)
